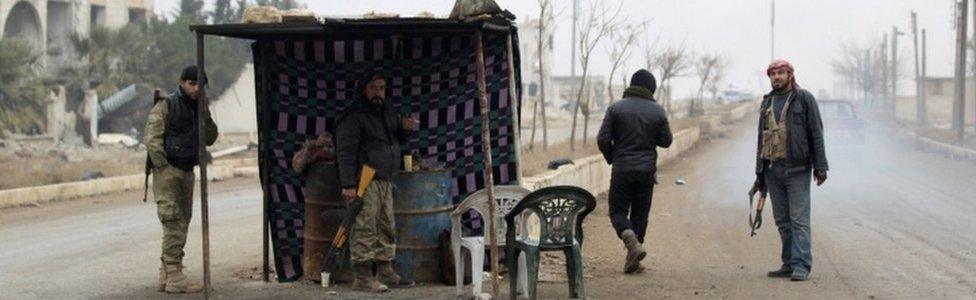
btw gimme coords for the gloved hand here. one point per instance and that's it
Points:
(820, 176)
(759, 185)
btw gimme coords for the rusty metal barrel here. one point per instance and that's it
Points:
(322, 193)
(421, 207)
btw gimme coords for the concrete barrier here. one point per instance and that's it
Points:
(947, 149)
(220, 170)
(743, 110)
(593, 173)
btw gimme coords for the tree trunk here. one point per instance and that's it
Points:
(535, 107)
(542, 79)
(585, 111)
(610, 94)
(576, 108)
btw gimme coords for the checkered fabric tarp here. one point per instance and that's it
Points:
(304, 83)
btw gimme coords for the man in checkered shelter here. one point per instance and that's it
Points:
(369, 132)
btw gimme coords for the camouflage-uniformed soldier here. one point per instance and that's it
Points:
(370, 132)
(171, 140)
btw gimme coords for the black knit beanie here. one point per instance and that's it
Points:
(643, 78)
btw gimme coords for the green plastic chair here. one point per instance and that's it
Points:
(560, 211)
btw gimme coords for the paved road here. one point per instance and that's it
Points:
(109, 246)
(891, 222)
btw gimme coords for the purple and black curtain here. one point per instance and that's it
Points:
(304, 82)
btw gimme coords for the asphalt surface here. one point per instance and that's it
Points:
(891, 222)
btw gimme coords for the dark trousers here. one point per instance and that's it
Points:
(630, 201)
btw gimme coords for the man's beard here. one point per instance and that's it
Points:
(376, 100)
(780, 85)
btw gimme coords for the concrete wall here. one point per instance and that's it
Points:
(593, 173)
(939, 109)
(26, 19)
(57, 19)
(235, 110)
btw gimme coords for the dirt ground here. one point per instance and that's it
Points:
(40, 163)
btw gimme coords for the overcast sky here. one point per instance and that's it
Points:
(808, 33)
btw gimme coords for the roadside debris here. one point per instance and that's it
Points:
(556, 163)
(680, 182)
(91, 175)
(116, 139)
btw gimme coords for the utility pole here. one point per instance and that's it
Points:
(884, 69)
(772, 31)
(919, 104)
(894, 68)
(959, 105)
(572, 63)
(921, 86)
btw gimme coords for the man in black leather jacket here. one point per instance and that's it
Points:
(791, 145)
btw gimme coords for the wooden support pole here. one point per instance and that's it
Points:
(513, 104)
(202, 155)
(486, 152)
(263, 169)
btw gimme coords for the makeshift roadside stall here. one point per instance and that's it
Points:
(458, 77)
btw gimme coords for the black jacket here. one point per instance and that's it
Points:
(804, 135)
(370, 135)
(632, 130)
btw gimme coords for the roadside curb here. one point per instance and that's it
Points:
(219, 170)
(952, 151)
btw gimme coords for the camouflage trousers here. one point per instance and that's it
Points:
(173, 191)
(373, 235)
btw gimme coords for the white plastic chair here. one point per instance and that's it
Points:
(506, 197)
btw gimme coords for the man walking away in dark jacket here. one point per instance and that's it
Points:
(791, 143)
(632, 130)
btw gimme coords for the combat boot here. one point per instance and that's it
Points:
(783, 272)
(366, 282)
(389, 277)
(635, 251)
(177, 282)
(161, 287)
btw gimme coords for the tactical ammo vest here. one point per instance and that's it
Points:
(774, 132)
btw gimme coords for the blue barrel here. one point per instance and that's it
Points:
(421, 208)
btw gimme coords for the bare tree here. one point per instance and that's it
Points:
(622, 39)
(546, 19)
(599, 21)
(861, 67)
(671, 62)
(707, 67)
(717, 78)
